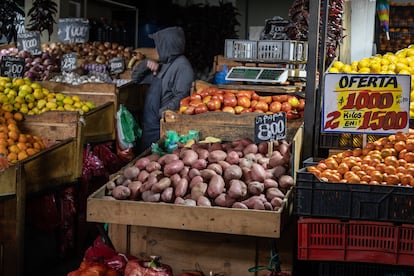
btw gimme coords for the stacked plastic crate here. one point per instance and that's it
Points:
(354, 229)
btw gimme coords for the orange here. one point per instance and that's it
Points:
(14, 148)
(3, 136)
(22, 138)
(22, 155)
(18, 116)
(8, 115)
(12, 157)
(22, 146)
(10, 142)
(13, 135)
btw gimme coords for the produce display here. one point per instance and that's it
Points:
(31, 98)
(387, 161)
(400, 62)
(241, 101)
(15, 145)
(237, 174)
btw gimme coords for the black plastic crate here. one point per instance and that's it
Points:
(362, 269)
(315, 198)
(344, 140)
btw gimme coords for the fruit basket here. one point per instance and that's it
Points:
(315, 198)
(355, 241)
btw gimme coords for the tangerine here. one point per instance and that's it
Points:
(18, 116)
(22, 155)
(31, 151)
(12, 157)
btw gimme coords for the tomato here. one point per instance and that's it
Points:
(195, 96)
(266, 99)
(255, 96)
(283, 98)
(218, 96)
(229, 100)
(238, 109)
(229, 109)
(201, 108)
(246, 93)
(189, 110)
(261, 106)
(301, 105)
(275, 107)
(243, 101)
(206, 99)
(214, 104)
(195, 102)
(286, 106)
(185, 101)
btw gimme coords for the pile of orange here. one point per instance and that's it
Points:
(15, 145)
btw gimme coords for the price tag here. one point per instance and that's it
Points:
(270, 127)
(73, 30)
(30, 42)
(69, 62)
(116, 65)
(12, 67)
(366, 103)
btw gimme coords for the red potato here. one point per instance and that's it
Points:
(232, 172)
(153, 156)
(193, 172)
(270, 183)
(181, 188)
(207, 174)
(126, 182)
(174, 179)
(258, 172)
(161, 185)
(224, 200)
(120, 179)
(150, 196)
(195, 180)
(167, 195)
(232, 157)
(199, 164)
(198, 190)
(173, 167)
(142, 162)
(179, 200)
(252, 201)
(184, 172)
(286, 181)
(216, 146)
(203, 201)
(276, 202)
(131, 172)
(189, 157)
(153, 166)
(202, 153)
(121, 192)
(223, 164)
(255, 188)
(251, 148)
(190, 202)
(244, 162)
(216, 168)
(239, 205)
(217, 155)
(263, 147)
(274, 192)
(276, 159)
(216, 186)
(134, 187)
(268, 206)
(237, 189)
(251, 157)
(110, 185)
(167, 158)
(143, 176)
(278, 171)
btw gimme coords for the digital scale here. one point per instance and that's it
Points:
(258, 74)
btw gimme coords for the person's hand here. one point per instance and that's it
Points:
(153, 66)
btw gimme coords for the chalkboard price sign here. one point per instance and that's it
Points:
(270, 127)
(12, 67)
(30, 42)
(69, 62)
(73, 30)
(116, 65)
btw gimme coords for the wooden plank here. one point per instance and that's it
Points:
(8, 181)
(208, 219)
(223, 125)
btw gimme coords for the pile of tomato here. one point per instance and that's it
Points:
(241, 101)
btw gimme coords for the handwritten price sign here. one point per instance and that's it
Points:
(12, 66)
(73, 30)
(374, 104)
(270, 127)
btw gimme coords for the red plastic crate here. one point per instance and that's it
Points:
(355, 241)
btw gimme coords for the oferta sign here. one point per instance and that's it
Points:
(366, 103)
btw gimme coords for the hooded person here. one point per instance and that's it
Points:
(170, 80)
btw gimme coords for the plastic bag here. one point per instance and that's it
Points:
(127, 128)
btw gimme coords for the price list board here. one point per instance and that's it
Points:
(73, 30)
(116, 65)
(69, 62)
(12, 67)
(30, 42)
(270, 127)
(257, 74)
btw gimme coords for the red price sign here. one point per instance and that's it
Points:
(375, 104)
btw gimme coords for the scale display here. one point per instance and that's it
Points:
(257, 74)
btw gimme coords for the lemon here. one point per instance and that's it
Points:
(347, 68)
(59, 96)
(76, 98)
(51, 105)
(338, 64)
(364, 63)
(364, 70)
(85, 108)
(375, 67)
(333, 70)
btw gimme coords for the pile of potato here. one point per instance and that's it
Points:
(238, 174)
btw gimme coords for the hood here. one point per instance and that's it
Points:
(169, 42)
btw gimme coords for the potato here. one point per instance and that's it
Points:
(167, 158)
(121, 192)
(181, 188)
(255, 188)
(262, 147)
(224, 164)
(184, 172)
(134, 187)
(237, 189)
(195, 180)
(216, 168)
(153, 156)
(152, 166)
(167, 194)
(203, 201)
(224, 200)
(255, 202)
(142, 162)
(193, 172)
(216, 146)
(274, 192)
(199, 164)
(232, 172)
(198, 190)
(150, 196)
(202, 153)
(239, 205)
(207, 174)
(258, 172)
(189, 157)
(251, 148)
(217, 155)
(216, 186)
(276, 202)
(131, 172)
(110, 185)
(173, 167)
(276, 159)
(143, 176)
(161, 185)
(286, 181)
(174, 179)
(270, 183)
(232, 157)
